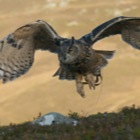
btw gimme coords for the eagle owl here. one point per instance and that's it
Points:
(78, 61)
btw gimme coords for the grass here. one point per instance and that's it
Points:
(124, 125)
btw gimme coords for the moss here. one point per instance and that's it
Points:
(136, 132)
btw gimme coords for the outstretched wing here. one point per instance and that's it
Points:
(128, 27)
(17, 49)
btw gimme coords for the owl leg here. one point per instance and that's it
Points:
(89, 78)
(80, 85)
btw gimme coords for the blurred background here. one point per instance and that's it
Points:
(38, 91)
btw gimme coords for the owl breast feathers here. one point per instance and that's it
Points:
(78, 60)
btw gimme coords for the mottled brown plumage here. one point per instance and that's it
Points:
(78, 61)
(81, 63)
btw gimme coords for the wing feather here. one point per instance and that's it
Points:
(131, 35)
(14, 62)
(127, 27)
(18, 48)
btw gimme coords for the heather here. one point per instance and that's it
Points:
(123, 125)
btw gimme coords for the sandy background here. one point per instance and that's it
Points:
(38, 91)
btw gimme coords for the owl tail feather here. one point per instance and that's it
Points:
(64, 75)
(105, 54)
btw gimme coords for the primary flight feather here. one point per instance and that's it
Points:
(77, 58)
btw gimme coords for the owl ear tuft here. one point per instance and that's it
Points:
(72, 41)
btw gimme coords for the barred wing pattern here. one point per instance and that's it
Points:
(17, 49)
(128, 27)
(131, 35)
(15, 61)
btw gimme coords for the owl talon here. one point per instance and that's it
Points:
(89, 78)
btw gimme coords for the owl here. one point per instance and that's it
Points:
(78, 60)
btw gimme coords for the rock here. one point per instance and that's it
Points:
(54, 118)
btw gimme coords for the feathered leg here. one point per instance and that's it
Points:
(89, 78)
(80, 85)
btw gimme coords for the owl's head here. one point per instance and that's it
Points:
(69, 50)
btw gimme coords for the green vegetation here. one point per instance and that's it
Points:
(124, 125)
